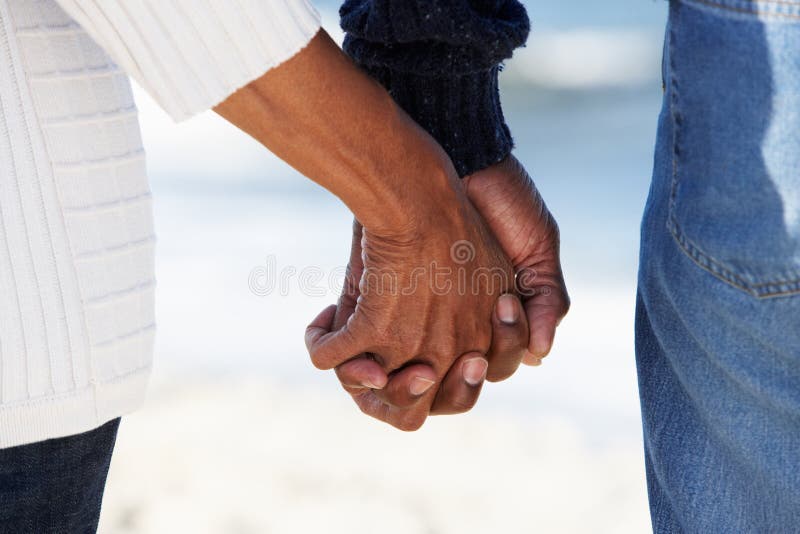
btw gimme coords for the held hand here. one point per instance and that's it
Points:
(366, 381)
(514, 210)
(423, 301)
(508, 200)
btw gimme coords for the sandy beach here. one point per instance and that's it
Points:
(245, 456)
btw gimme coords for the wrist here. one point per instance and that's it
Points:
(463, 112)
(323, 116)
(402, 181)
(410, 199)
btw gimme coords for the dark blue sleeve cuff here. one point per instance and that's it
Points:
(462, 112)
(439, 59)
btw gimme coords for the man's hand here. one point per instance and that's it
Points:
(510, 203)
(508, 200)
(365, 379)
(421, 302)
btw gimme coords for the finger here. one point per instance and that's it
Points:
(403, 389)
(510, 338)
(345, 307)
(530, 360)
(405, 419)
(461, 387)
(329, 349)
(408, 386)
(320, 326)
(405, 400)
(361, 373)
(544, 310)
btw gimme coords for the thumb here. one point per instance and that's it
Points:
(330, 348)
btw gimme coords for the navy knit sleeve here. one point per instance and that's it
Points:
(440, 60)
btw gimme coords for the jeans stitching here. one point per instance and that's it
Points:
(754, 7)
(695, 253)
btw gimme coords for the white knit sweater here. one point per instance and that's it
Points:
(76, 226)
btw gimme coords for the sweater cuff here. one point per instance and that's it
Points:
(190, 56)
(462, 112)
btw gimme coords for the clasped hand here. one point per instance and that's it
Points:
(426, 315)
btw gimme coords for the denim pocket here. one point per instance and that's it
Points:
(734, 95)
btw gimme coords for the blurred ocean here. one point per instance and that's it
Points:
(582, 101)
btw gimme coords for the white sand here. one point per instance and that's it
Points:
(236, 456)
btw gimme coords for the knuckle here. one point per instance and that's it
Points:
(567, 305)
(353, 391)
(503, 364)
(363, 406)
(507, 343)
(411, 423)
(321, 363)
(464, 404)
(367, 403)
(499, 376)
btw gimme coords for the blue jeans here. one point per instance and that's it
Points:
(55, 486)
(718, 311)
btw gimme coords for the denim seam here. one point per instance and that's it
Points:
(701, 259)
(770, 8)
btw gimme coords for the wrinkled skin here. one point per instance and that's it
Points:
(417, 304)
(513, 209)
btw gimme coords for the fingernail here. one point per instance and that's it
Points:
(507, 309)
(420, 385)
(475, 371)
(370, 385)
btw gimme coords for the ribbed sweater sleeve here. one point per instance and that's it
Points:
(192, 54)
(440, 61)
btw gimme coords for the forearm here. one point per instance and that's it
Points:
(322, 115)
